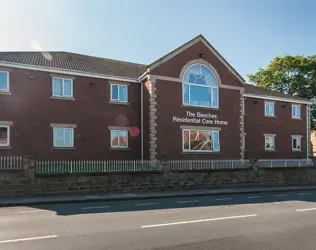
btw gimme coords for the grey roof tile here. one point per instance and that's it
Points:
(76, 62)
(252, 89)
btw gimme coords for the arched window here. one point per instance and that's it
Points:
(200, 86)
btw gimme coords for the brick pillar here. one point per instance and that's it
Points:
(151, 85)
(242, 124)
(29, 168)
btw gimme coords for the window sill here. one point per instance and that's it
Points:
(198, 153)
(55, 148)
(5, 92)
(296, 118)
(123, 149)
(296, 150)
(63, 98)
(270, 116)
(118, 102)
(198, 107)
(5, 147)
(270, 150)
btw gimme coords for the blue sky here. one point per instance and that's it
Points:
(248, 33)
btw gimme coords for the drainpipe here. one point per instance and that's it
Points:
(142, 120)
(307, 129)
(142, 114)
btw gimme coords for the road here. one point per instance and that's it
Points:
(284, 220)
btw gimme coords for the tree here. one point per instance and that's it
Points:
(292, 75)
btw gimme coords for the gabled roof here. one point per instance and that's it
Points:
(75, 62)
(259, 91)
(199, 38)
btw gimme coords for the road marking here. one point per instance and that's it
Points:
(306, 209)
(224, 199)
(30, 211)
(145, 204)
(304, 193)
(198, 221)
(188, 201)
(95, 207)
(28, 239)
(281, 195)
(252, 197)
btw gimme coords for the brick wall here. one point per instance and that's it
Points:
(23, 183)
(313, 142)
(32, 110)
(282, 125)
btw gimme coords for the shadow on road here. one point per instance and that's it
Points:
(176, 203)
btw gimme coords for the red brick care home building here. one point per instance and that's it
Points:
(189, 104)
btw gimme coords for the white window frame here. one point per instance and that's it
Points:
(72, 145)
(8, 136)
(8, 81)
(118, 94)
(265, 145)
(201, 130)
(118, 133)
(270, 104)
(299, 138)
(294, 107)
(63, 87)
(199, 85)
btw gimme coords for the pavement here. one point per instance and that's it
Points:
(245, 221)
(19, 201)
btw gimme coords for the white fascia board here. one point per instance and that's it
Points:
(275, 98)
(66, 72)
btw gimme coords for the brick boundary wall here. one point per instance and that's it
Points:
(26, 183)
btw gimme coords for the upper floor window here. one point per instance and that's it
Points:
(200, 87)
(63, 137)
(4, 81)
(62, 87)
(118, 93)
(296, 111)
(269, 108)
(4, 136)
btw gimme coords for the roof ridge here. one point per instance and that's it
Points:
(104, 58)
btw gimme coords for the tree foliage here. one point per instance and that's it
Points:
(292, 75)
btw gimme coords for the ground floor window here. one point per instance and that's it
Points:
(269, 142)
(119, 138)
(63, 137)
(200, 140)
(4, 136)
(296, 143)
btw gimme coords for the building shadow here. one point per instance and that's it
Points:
(68, 209)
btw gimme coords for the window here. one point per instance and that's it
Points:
(200, 87)
(119, 138)
(269, 108)
(63, 137)
(4, 136)
(269, 142)
(296, 111)
(4, 81)
(296, 143)
(62, 87)
(200, 140)
(118, 93)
